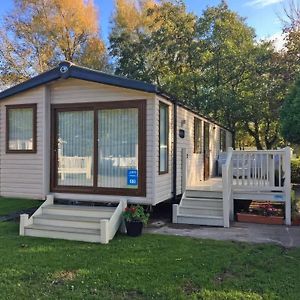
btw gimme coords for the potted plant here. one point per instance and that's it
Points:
(135, 217)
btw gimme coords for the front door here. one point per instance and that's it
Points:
(206, 151)
(99, 148)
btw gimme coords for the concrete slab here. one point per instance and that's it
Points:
(285, 236)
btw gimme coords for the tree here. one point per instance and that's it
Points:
(157, 46)
(37, 34)
(291, 30)
(263, 94)
(290, 115)
(226, 44)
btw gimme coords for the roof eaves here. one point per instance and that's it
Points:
(100, 77)
(31, 83)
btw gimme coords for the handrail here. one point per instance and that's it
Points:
(260, 151)
(227, 187)
(26, 221)
(116, 218)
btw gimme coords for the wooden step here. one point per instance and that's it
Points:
(200, 202)
(201, 211)
(79, 210)
(200, 220)
(66, 233)
(193, 193)
(68, 221)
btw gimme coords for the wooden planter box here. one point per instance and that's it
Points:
(296, 222)
(250, 218)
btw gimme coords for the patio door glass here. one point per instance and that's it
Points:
(118, 148)
(75, 144)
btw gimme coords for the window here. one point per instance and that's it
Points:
(163, 138)
(197, 135)
(21, 128)
(223, 146)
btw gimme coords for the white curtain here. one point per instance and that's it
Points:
(20, 129)
(75, 148)
(163, 138)
(117, 146)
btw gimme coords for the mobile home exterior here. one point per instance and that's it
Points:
(75, 133)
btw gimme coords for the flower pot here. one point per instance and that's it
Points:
(134, 228)
(250, 218)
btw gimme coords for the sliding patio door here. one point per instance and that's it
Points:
(99, 148)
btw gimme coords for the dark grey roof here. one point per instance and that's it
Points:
(69, 70)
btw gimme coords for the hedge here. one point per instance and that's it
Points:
(295, 165)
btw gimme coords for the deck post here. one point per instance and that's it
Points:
(287, 186)
(174, 213)
(184, 171)
(23, 222)
(50, 199)
(104, 234)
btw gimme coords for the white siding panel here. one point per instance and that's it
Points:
(21, 174)
(195, 165)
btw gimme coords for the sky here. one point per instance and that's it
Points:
(262, 15)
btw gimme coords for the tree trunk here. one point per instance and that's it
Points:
(255, 134)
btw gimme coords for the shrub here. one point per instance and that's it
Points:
(295, 169)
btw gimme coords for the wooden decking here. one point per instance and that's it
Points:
(212, 184)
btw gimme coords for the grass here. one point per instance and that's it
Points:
(10, 205)
(149, 267)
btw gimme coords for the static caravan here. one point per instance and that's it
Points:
(78, 134)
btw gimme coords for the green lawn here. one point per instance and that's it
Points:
(10, 205)
(149, 267)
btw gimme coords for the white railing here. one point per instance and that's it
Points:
(256, 171)
(75, 165)
(227, 173)
(261, 170)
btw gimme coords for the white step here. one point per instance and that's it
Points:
(66, 233)
(79, 210)
(200, 220)
(200, 202)
(190, 193)
(68, 221)
(259, 196)
(204, 211)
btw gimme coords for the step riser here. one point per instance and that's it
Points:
(202, 203)
(63, 235)
(203, 212)
(203, 194)
(199, 221)
(77, 213)
(65, 223)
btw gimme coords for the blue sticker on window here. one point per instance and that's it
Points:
(132, 177)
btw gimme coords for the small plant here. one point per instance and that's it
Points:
(136, 214)
(295, 169)
(266, 209)
(295, 206)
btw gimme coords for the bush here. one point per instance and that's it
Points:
(295, 166)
